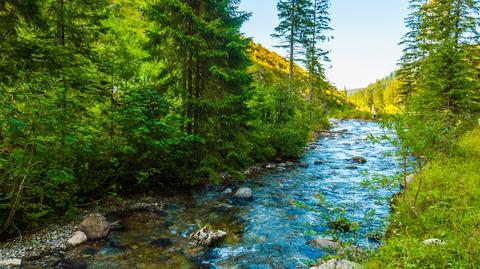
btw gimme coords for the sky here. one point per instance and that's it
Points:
(366, 36)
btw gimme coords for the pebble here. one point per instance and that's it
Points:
(39, 243)
(11, 262)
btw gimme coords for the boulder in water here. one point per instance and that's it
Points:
(317, 162)
(244, 193)
(358, 159)
(95, 226)
(77, 238)
(207, 237)
(324, 243)
(303, 165)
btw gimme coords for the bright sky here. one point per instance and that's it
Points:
(366, 36)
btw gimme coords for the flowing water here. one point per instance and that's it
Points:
(272, 230)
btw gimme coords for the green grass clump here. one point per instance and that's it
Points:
(443, 202)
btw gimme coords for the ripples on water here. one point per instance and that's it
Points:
(268, 232)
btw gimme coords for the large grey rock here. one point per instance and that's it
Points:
(244, 193)
(407, 181)
(77, 238)
(337, 264)
(207, 237)
(11, 263)
(95, 226)
(324, 243)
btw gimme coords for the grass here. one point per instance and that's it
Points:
(443, 202)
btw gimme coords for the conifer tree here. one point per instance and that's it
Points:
(435, 66)
(315, 55)
(295, 16)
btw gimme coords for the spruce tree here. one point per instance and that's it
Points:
(315, 55)
(295, 16)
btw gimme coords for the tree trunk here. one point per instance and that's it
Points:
(60, 23)
(292, 45)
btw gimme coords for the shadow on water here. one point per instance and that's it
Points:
(268, 232)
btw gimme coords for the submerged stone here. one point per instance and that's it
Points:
(324, 243)
(162, 242)
(71, 263)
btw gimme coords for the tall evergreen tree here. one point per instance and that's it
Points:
(315, 55)
(295, 16)
(435, 65)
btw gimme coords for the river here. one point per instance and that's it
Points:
(272, 230)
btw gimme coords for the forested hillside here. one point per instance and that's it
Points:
(383, 95)
(107, 97)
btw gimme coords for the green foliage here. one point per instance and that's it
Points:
(440, 203)
(383, 96)
(103, 98)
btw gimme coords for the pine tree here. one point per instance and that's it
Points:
(435, 65)
(294, 18)
(316, 35)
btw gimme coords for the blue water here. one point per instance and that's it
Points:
(272, 230)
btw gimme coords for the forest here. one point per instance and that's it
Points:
(107, 99)
(111, 97)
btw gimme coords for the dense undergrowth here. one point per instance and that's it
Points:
(106, 98)
(442, 203)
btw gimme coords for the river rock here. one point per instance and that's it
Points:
(270, 166)
(325, 134)
(433, 241)
(244, 193)
(351, 167)
(337, 264)
(227, 191)
(162, 242)
(252, 170)
(317, 162)
(95, 226)
(303, 165)
(116, 226)
(358, 159)
(77, 238)
(207, 237)
(324, 243)
(339, 225)
(408, 180)
(11, 263)
(70, 264)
